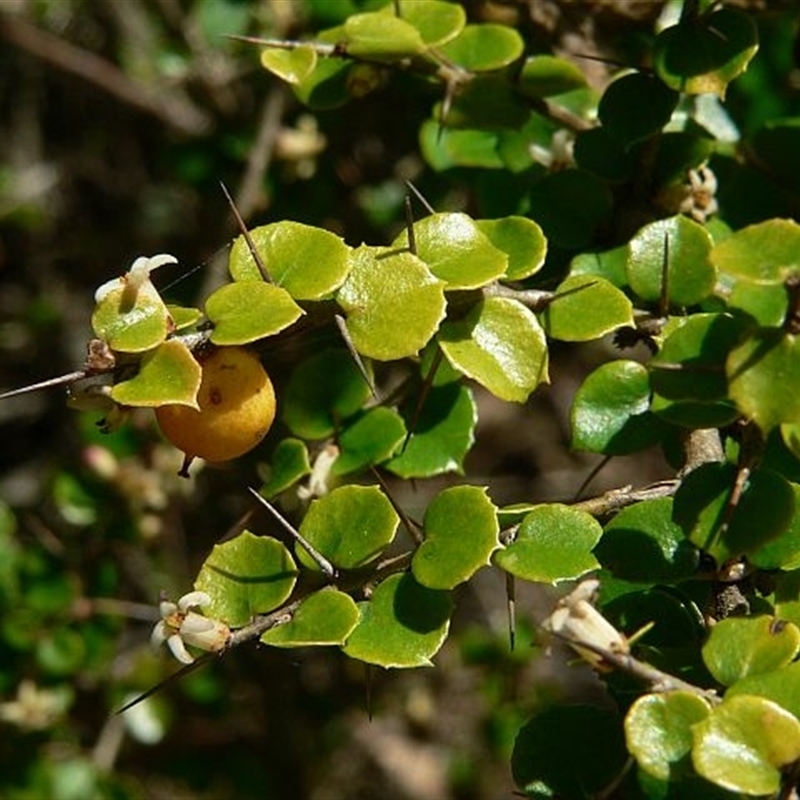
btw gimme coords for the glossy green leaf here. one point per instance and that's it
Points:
(381, 37)
(608, 264)
(781, 686)
(568, 751)
(448, 148)
(545, 76)
(292, 66)
(684, 247)
(484, 47)
(326, 617)
(521, 239)
(310, 263)
(703, 55)
(766, 252)
(288, 465)
(402, 625)
(326, 86)
(678, 152)
(611, 411)
(702, 508)
(456, 251)
(461, 533)
(766, 303)
(442, 435)
(393, 303)
(323, 389)
(437, 21)
(351, 526)
(782, 552)
(742, 646)
(643, 544)
(763, 376)
(246, 576)
(572, 206)
(658, 732)
(245, 311)
(371, 438)
(554, 543)
(130, 320)
(635, 107)
(168, 374)
(586, 308)
(691, 362)
(744, 742)
(183, 317)
(501, 345)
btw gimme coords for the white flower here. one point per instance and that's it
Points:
(34, 708)
(137, 277)
(179, 626)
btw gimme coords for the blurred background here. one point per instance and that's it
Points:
(119, 120)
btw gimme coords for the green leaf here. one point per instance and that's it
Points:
(611, 411)
(381, 37)
(604, 156)
(245, 311)
(323, 389)
(461, 533)
(326, 617)
(501, 345)
(703, 55)
(767, 304)
(545, 76)
(168, 374)
(781, 686)
(658, 732)
(738, 647)
(702, 508)
(484, 47)
(569, 751)
(292, 66)
(782, 552)
(763, 376)
(442, 436)
(183, 317)
(521, 239)
(403, 625)
(351, 526)
(246, 576)
(487, 102)
(371, 438)
(572, 206)
(643, 544)
(586, 308)
(456, 251)
(635, 107)
(763, 253)
(554, 543)
(288, 465)
(308, 262)
(379, 292)
(444, 149)
(691, 362)
(608, 264)
(437, 22)
(684, 246)
(326, 86)
(744, 742)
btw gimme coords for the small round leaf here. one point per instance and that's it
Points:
(437, 21)
(381, 37)
(288, 465)
(245, 311)
(545, 76)
(484, 47)
(380, 292)
(744, 742)
(326, 617)
(369, 439)
(403, 625)
(246, 576)
(521, 239)
(351, 526)
(292, 66)
(501, 345)
(674, 251)
(554, 543)
(461, 532)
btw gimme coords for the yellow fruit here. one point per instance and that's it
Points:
(237, 408)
